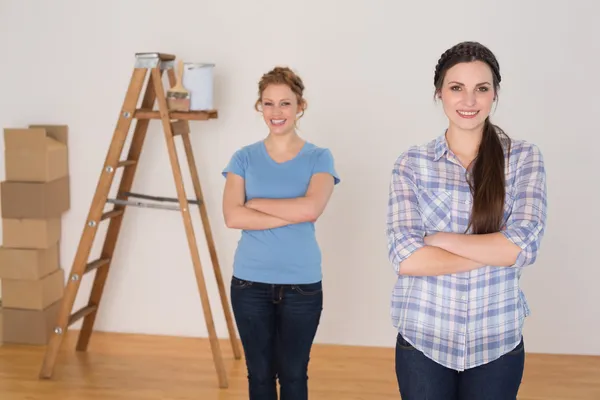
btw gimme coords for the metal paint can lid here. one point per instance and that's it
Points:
(192, 65)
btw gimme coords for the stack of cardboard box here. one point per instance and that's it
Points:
(33, 198)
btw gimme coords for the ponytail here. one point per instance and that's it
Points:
(488, 182)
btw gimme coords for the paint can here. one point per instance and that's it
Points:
(198, 79)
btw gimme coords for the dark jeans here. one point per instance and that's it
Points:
(420, 378)
(277, 326)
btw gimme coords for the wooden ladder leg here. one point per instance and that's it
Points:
(208, 233)
(211, 246)
(80, 264)
(185, 212)
(114, 226)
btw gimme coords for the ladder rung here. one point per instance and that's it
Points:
(111, 214)
(96, 264)
(160, 56)
(81, 313)
(157, 198)
(143, 113)
(142, 204)
(126, 163)
(149, 197)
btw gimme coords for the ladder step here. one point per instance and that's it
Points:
(111, 214)
(126, 163)
(96, 264)
(144, 113)
(160, 56)
(157, 198)
(143, 204)
(81, 313)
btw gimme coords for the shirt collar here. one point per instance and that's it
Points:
(441, 146)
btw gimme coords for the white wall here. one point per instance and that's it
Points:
(368, 67)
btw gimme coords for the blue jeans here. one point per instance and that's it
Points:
(277, 326)
(420, 378)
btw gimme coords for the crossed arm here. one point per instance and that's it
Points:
(413, 253)
(490, 249)
(259, 214)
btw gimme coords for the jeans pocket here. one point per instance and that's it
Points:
(402, 344)
(309, 289)
(519, 349)
(237, 283)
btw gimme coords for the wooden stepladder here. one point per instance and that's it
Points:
(174, 124)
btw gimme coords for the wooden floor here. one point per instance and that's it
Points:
(132, 367)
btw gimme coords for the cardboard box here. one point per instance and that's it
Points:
(33, 295)
(36, 154)
(30, 327)
(28, 264)
(35, 199)
(31, 233)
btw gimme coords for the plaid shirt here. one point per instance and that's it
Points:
(466, 319)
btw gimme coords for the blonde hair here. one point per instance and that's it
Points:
(282, 76)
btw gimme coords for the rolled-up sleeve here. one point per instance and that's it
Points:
(405, 230)
(526, 224)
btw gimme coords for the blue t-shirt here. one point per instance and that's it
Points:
(289, 254)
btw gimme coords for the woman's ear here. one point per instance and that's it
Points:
(301, 108)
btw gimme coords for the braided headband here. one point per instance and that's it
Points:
(468, 49)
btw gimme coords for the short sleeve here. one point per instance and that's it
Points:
(237, 164)
(325, 163)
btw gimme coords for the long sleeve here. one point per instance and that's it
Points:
(526, 224)
(405, 232)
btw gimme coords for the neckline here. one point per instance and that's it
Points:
(272, 161)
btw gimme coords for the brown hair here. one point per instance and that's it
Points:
(487, 182)
(282, 76)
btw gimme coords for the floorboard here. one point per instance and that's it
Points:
(144, 367)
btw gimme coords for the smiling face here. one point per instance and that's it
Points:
(280, 108)
(467, 94)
